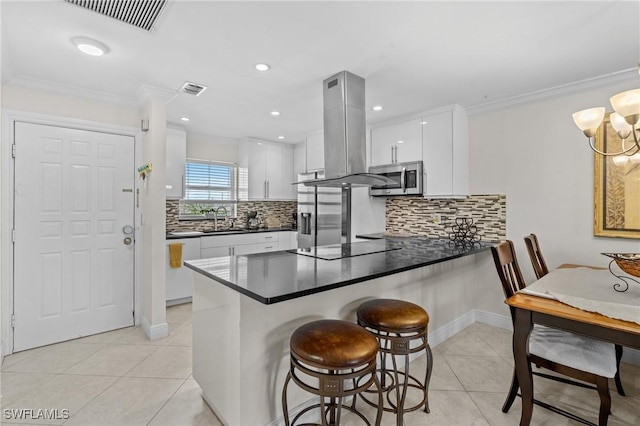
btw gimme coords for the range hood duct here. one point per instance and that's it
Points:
(345, 162)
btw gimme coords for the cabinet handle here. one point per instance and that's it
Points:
(264, 189)
(392, 147)
(268, 189)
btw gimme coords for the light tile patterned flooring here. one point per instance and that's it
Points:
(121, 378)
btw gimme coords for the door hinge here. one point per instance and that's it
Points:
(13, 320)
(13, 150)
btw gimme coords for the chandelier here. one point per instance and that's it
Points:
(625, 121)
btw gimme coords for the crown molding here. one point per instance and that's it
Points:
(619, 77)
(68, 90)
(146, 92)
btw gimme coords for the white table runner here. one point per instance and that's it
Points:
(590, 290)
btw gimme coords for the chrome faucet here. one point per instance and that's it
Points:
(215, 216)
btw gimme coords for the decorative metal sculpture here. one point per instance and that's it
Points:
(464, 232)
(629, 263)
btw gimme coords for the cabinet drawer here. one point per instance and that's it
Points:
(266, 247)
(206, 253)
(228, 240)
(267, 237)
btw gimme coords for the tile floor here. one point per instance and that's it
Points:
(121, 378)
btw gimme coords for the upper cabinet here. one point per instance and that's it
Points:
(396, 143)
(315, 152)
(270, 169)
(176, 158)
(299, 160)
(440, 138)
(445, 152)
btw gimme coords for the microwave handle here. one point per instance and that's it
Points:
(403, 179)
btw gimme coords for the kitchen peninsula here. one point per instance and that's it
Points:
(246, 307)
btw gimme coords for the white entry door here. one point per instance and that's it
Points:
(74, 204)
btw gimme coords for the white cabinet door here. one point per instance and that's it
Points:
(208, 252)
(179, 281)
(315, 152)
(270, 169)
(445, 144)
(257, 170)
(176, 158)
(397, 143)
(299, 160)
(279, 171)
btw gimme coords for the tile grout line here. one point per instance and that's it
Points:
(167, 401)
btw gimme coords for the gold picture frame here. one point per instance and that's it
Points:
(616, 188)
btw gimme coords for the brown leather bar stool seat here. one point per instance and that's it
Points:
(332, 359)
(401, 330)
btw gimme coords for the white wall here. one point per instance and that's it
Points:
(50, 103)
(203, 147)
(536, 155)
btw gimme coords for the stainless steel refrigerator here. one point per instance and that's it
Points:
(324, 215)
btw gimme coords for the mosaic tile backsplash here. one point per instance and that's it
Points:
(404, 215)
(434, 217)
(277, 213)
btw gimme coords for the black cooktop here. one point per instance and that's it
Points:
(341, 251)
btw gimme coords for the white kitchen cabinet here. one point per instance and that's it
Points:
(299, 160)
(445, 148)
(176, 150)
(397, 143)
(270, 169)
(237, 244)
(179, 281)
(315, 152)
(287, 240)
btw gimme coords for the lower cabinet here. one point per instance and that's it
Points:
(179, 281)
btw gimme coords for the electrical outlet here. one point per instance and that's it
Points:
(437, 218)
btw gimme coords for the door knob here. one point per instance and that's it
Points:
(127, 241)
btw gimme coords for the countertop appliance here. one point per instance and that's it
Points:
(252, 219)
(320, 213)
(407, 179)
(342, 251)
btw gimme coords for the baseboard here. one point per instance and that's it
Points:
(179, 301)
(496, 320)
(454, 327)
(154, 332)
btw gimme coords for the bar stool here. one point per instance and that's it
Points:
(332, 359)
(401, 330)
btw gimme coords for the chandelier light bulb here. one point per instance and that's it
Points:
(627, 104)
(620, 160)
(620, 125)
(588, 120)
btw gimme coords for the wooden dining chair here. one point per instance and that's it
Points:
(540, 269)
(535, 254)
(581, 358)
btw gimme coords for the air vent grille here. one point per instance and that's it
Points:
(192, 88)
(142, 14)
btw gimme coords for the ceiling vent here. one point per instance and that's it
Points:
(192, 88)
(142, 14)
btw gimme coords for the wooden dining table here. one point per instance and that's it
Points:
(530, 309)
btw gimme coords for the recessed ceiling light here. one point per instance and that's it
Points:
(185, 118)
(280, 137)
(400, 141)
(263, 67)
(377, 108)
(423, 122)
(90, 46)
(275, 112)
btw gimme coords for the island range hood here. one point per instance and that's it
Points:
(345, 134)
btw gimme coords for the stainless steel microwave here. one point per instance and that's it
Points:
(407, 178)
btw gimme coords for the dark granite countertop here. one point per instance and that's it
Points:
(198, 234)
(278, 276)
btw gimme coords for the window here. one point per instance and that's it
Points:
(209, 185)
